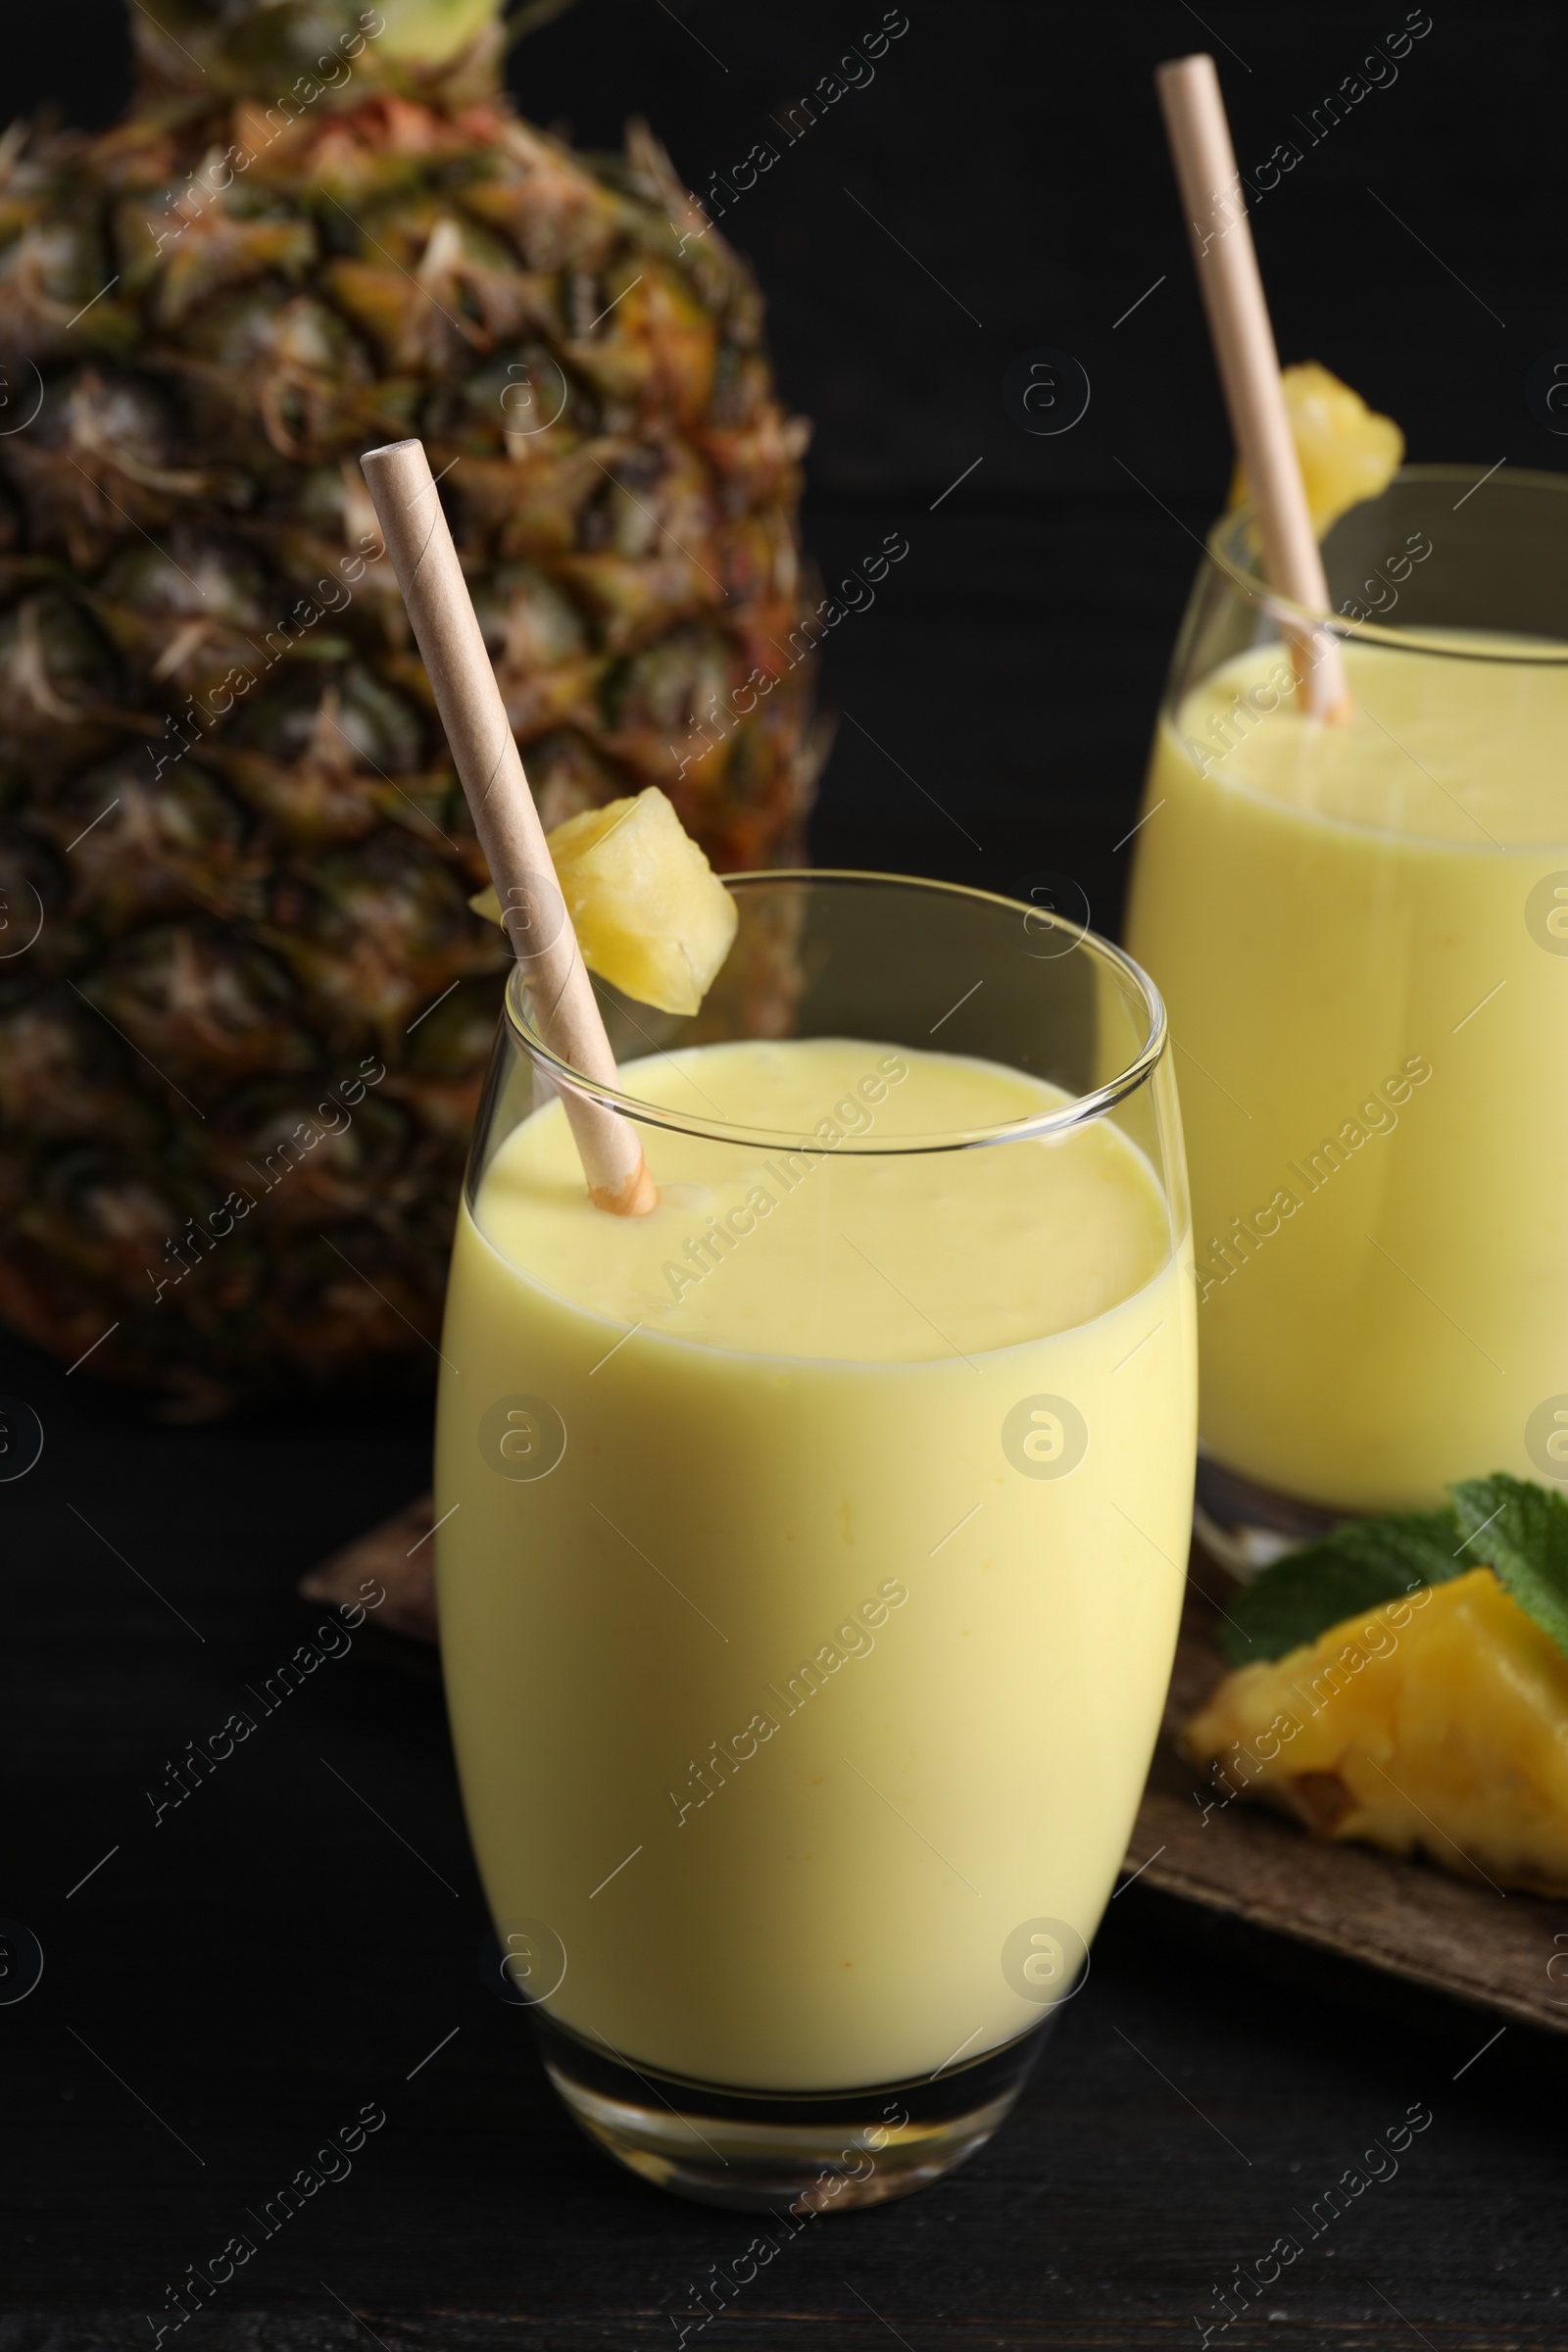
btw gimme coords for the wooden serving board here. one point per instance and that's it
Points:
(1506, 1953)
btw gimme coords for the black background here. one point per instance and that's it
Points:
(272, 1957)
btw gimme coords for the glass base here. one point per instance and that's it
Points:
(1246, 1526)
(814, 2153)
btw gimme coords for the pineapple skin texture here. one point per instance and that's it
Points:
(1436, 1724)
(204, 660)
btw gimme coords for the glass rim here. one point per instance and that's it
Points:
(1221, 545)
(1077, 1111)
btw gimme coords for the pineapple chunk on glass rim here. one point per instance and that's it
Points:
(651, 915)
(1347, 451)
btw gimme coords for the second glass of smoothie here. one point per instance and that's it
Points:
(1361, 931)
(811, 1550)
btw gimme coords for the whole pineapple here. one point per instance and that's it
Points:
(244, 1008)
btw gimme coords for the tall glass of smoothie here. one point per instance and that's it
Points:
(811, 1550)
(1361, 931)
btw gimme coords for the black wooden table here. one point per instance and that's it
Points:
(233, 1983)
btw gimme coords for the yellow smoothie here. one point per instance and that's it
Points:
(1357, 934)
(812, 1639)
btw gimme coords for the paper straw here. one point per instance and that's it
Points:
(447, 631)
(1249, 366)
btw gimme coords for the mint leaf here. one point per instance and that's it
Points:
(1359, 1566)
(1520, 1532)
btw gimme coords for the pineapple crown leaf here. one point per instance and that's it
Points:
(1515, 1528)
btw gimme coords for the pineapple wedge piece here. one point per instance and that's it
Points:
(651, 915)
(1348, 452)
(1438, 1722)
